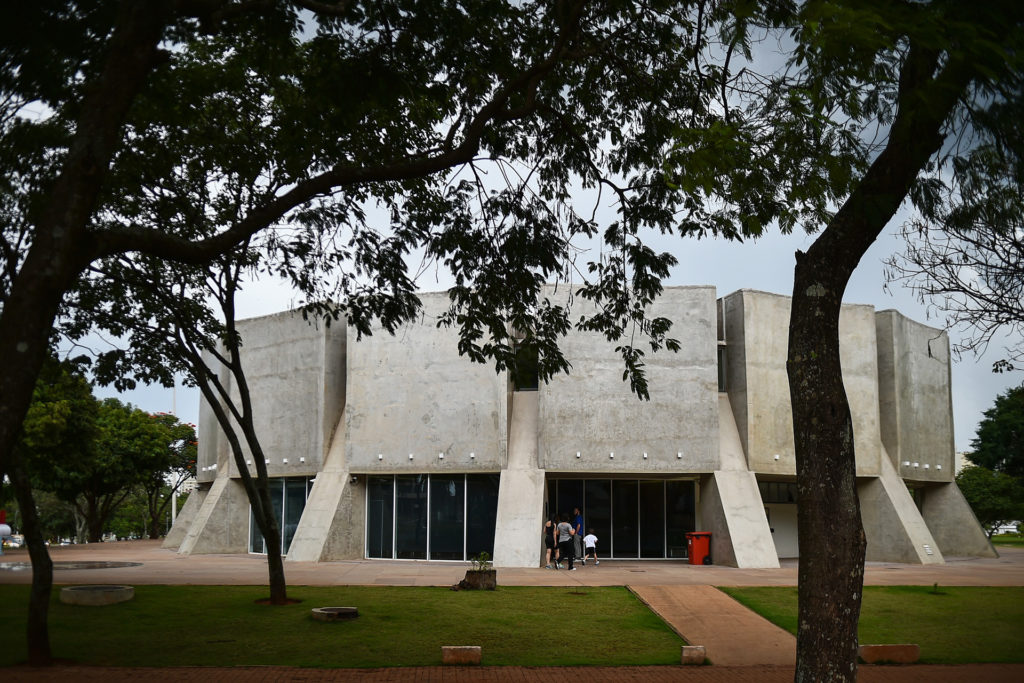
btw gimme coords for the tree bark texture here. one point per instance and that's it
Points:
(37, 631)
(831, 536)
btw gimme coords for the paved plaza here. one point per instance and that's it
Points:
(742, 645)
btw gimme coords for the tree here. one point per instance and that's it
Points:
(999, 443)
(179, 445)
(61, 422)
(996, 497)
(877, 103)
(942, 73)
(124, 451)
(970, 262)
(539, 94)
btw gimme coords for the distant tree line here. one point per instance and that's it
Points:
(993, 482)
(101, 466)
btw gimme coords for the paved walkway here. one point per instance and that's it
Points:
(731, 634)
(160, 566)
(741, 645)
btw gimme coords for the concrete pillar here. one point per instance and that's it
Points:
(331, 525)
(184, 519)
(731, 509)
(520, 515)
(894, 528)
(730, 503)
(952, 522)
(221, 524)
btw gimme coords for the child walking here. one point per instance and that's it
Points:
(590, 547)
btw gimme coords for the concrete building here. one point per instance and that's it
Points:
(397, 447)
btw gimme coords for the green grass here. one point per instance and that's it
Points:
(958, 625)
(1008, 539)
(397, 626)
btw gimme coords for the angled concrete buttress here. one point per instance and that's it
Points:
(945, 511)
(221, 524)
(894, 528)
(731, 504)
(330, 527)
(520, 490)
(184, 521)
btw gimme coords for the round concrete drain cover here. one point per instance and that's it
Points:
(96, 595)
(335, 613)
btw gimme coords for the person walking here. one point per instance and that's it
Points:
(565, 533)
(549, 544)
(577, 529)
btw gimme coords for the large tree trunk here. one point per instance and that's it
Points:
(831, 537)
(272, 535)
(37, 631)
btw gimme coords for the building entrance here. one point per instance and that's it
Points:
(632, 518)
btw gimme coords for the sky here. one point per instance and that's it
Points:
(765, 264)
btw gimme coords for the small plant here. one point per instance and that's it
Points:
(481, 562)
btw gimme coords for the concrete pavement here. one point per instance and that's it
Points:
(160, 566)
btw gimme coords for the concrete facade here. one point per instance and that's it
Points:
(405, 410)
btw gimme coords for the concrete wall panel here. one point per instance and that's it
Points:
(916, 400)
(221, 525)
(593, 412)
(285, 361)
(759, 385)
(183, 521)
(412, 393)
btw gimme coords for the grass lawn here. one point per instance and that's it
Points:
(397, 626)
(958, 625)
(1008, 539)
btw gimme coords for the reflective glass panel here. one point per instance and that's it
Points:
(380, 520)
(446, 510)
(652, 519)
(294, 504)
(680, 519)
(481, 513)
(625, 525)
(597, 513)
(411, 516)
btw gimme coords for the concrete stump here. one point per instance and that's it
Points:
(693, 654)
(895, 654)
(458, 655)
(96, 595)
(335, 613)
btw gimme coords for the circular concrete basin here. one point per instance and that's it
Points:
(335, 613)
(96, 595)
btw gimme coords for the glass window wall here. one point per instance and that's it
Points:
(631, 518)
(288, 498)
(436, 517)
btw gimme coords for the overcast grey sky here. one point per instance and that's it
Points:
(765, 264)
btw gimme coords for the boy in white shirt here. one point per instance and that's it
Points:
(590, 547)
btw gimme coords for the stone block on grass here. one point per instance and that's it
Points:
(693, 654)
(457, 655)
(893, 654)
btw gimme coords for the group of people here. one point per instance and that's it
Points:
(564, 542)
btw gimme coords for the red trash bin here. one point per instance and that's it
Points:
(698, 547)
